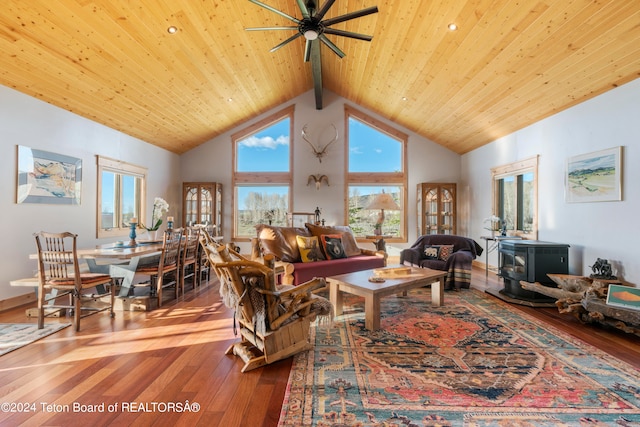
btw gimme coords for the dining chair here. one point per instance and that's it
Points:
(59, 273)
(164, 274)
(188, 264)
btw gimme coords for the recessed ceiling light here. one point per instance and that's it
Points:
(452, 27)
(404, 98)
(172, 29)
(229, 99)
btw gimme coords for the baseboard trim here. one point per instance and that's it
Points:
(20, 300)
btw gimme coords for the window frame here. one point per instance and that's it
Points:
(517, 169)
(119, 167)
(378, 179)
(240, 179)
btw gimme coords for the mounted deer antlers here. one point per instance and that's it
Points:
(319, 152)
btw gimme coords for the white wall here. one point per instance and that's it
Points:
(35, 124)
(594, 230)
(427, 162)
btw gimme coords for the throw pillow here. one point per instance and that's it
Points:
(309, 249)
(280, 241)
(332, 244)
(348, 240)
(445, 252)
(431, 252)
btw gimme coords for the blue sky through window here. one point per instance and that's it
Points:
(265, 151)
(371, 150)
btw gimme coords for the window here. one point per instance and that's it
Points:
(515, 195)
(121, 190)
(262, 174)
(376, 162)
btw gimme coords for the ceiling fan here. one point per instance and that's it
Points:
(313, 28)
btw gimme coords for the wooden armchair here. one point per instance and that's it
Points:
(59, 273)
(274, 321)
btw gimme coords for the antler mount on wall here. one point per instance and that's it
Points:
(319, 151)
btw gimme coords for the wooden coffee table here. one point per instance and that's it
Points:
(397, 280)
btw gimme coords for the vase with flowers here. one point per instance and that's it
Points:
(495, 224)
(160, 206)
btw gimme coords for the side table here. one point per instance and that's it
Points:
(494, 245)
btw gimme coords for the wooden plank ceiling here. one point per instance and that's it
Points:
(510, 63)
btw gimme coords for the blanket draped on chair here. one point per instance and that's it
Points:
(457, 265)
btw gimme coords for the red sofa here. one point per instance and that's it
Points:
(281, 242)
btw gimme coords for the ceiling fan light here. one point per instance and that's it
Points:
(310, 34)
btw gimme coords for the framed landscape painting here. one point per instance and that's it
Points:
(45, 177)
(594, 177)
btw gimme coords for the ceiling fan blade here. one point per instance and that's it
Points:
(270, 28)
(304, 9)
(316, 71)
(324, 9)
(348, 34)
(352, 15)
(290, 39)
(307, 50)
(331, 46)
(266, 6)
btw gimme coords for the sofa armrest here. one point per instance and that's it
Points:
(381, 254)
(411, 255)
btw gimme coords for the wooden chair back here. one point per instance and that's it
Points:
(59, 270)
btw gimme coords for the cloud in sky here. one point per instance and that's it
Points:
(265, 142)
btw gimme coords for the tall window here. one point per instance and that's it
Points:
(121, 190)
(376, 162)
(262, 176)
(515, 195)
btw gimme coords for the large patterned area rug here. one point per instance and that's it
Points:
(476, 361)
(16, 335)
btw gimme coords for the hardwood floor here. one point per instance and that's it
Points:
(145, 362)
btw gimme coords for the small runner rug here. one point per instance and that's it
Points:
(16, 335)
(476, 361)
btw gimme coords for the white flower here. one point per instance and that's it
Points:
(495, 222)
(160, 206)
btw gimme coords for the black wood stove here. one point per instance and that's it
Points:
(531, 261)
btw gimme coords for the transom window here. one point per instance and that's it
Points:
(121, 190)
(262, 175)
(376, 163)
(515, 195)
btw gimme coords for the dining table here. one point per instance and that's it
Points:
(120, 261)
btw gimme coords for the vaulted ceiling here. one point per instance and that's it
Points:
(509, 64)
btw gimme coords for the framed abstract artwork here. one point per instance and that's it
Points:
(594, 177)
(45, 177)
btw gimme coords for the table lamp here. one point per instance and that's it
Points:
(382, 201)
